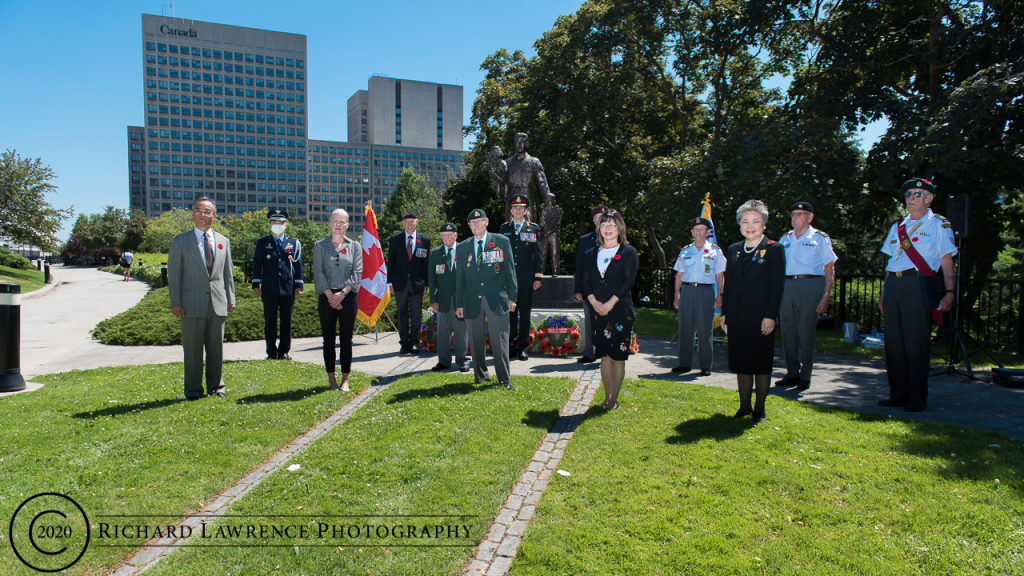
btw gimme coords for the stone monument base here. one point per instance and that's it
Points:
(557, 294)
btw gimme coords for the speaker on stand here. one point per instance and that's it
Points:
(958, 214)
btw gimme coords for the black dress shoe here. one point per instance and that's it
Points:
(803, 384)
(681, 369)
(283, 357)
(414, 350)
(740, 414)
(587, 360)
(218, 393)
(524, 356)
(787, 381)
(403, 350)
(890, 403)
(757, 416)
(191, 398)
(438, 367)
(464, 368)
(915, 408)
(271, 356)
(509, 386)
(705, 372)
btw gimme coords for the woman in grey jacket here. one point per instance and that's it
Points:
(337, 271)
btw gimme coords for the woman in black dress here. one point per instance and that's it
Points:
(609, 270)
(754, 274)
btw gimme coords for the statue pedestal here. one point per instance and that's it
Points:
(557, 294)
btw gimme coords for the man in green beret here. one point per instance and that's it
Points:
(524, 237)
(441, 287)
(485, 286)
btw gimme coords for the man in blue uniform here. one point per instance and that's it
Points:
(524, 237)
(810, 272)
(699, 268)
(277, 280)
(919, 245)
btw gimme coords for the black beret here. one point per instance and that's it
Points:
(801, 205)
(700, 222)
(921, 183)
(478, 213)
(409, 215)
(277, 214)
(449, 227)
(520, 200)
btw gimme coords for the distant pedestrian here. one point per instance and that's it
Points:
(277, 281)
(337, 273)
(126, 265)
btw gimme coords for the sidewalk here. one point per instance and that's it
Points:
(56, 337)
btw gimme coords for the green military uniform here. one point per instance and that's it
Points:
(524, 238)
(441, 288)
(485, 282)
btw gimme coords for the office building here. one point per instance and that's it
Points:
(407, 113)
(347, 175)
(225, 115)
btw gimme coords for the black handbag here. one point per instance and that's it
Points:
(933, 289)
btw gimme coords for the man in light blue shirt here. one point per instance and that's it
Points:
(699, 268)
(810, 272)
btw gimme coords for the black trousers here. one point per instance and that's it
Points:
(338, 322)
(908, 339)
(272, 303)
(410, 315)
(519, 321)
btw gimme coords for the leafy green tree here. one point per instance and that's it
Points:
(101, 230)
(134, 231)
(25, 215)
(161, 229)
(412, 194)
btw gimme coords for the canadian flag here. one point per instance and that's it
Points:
(373, 287)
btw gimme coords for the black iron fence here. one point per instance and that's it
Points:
(994, 318)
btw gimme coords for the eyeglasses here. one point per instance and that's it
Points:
(914, 194)
(206, 212)
(609, 227)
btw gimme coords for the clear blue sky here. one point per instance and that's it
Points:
(74, 83)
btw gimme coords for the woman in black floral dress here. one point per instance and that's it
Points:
(608, 275)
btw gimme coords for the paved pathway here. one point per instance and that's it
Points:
(56, 338)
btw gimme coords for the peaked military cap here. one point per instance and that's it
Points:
(478, 213)
(700, 222)
(801, 205)
(277, 214)
(921, 183)
(449, 227)
(519, 200)
(409, 215)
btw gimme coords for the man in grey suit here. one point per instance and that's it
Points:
(202, 290)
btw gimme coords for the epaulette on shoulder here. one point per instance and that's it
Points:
(821, 232)
(715, 245)
(940, 217)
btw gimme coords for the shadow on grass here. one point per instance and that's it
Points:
(454, 389)
(283, 396)
(540, 418)
(717, 427)
(129, 408)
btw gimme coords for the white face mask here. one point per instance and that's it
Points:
(277, 229)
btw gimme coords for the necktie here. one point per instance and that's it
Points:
(449, 258)
(479, 252)
(408, 247)
(518, 226)
(208, 249)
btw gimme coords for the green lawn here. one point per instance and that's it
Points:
(429, 445)
(30, 280)
(672, 484)
(124, 441)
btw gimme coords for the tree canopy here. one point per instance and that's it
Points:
(25, 215)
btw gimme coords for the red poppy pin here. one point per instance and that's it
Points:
(771, 241)
(491, 245)
(705, 250)
(220, 246)
(914, 239)
(616, 256)
(344, 250)
(288, 248)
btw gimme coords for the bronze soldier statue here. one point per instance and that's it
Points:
(521, 173)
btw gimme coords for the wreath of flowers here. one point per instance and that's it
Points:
(557, 336)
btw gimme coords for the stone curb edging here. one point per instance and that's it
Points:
(495, 552)
(218, 504)
(44, 289)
